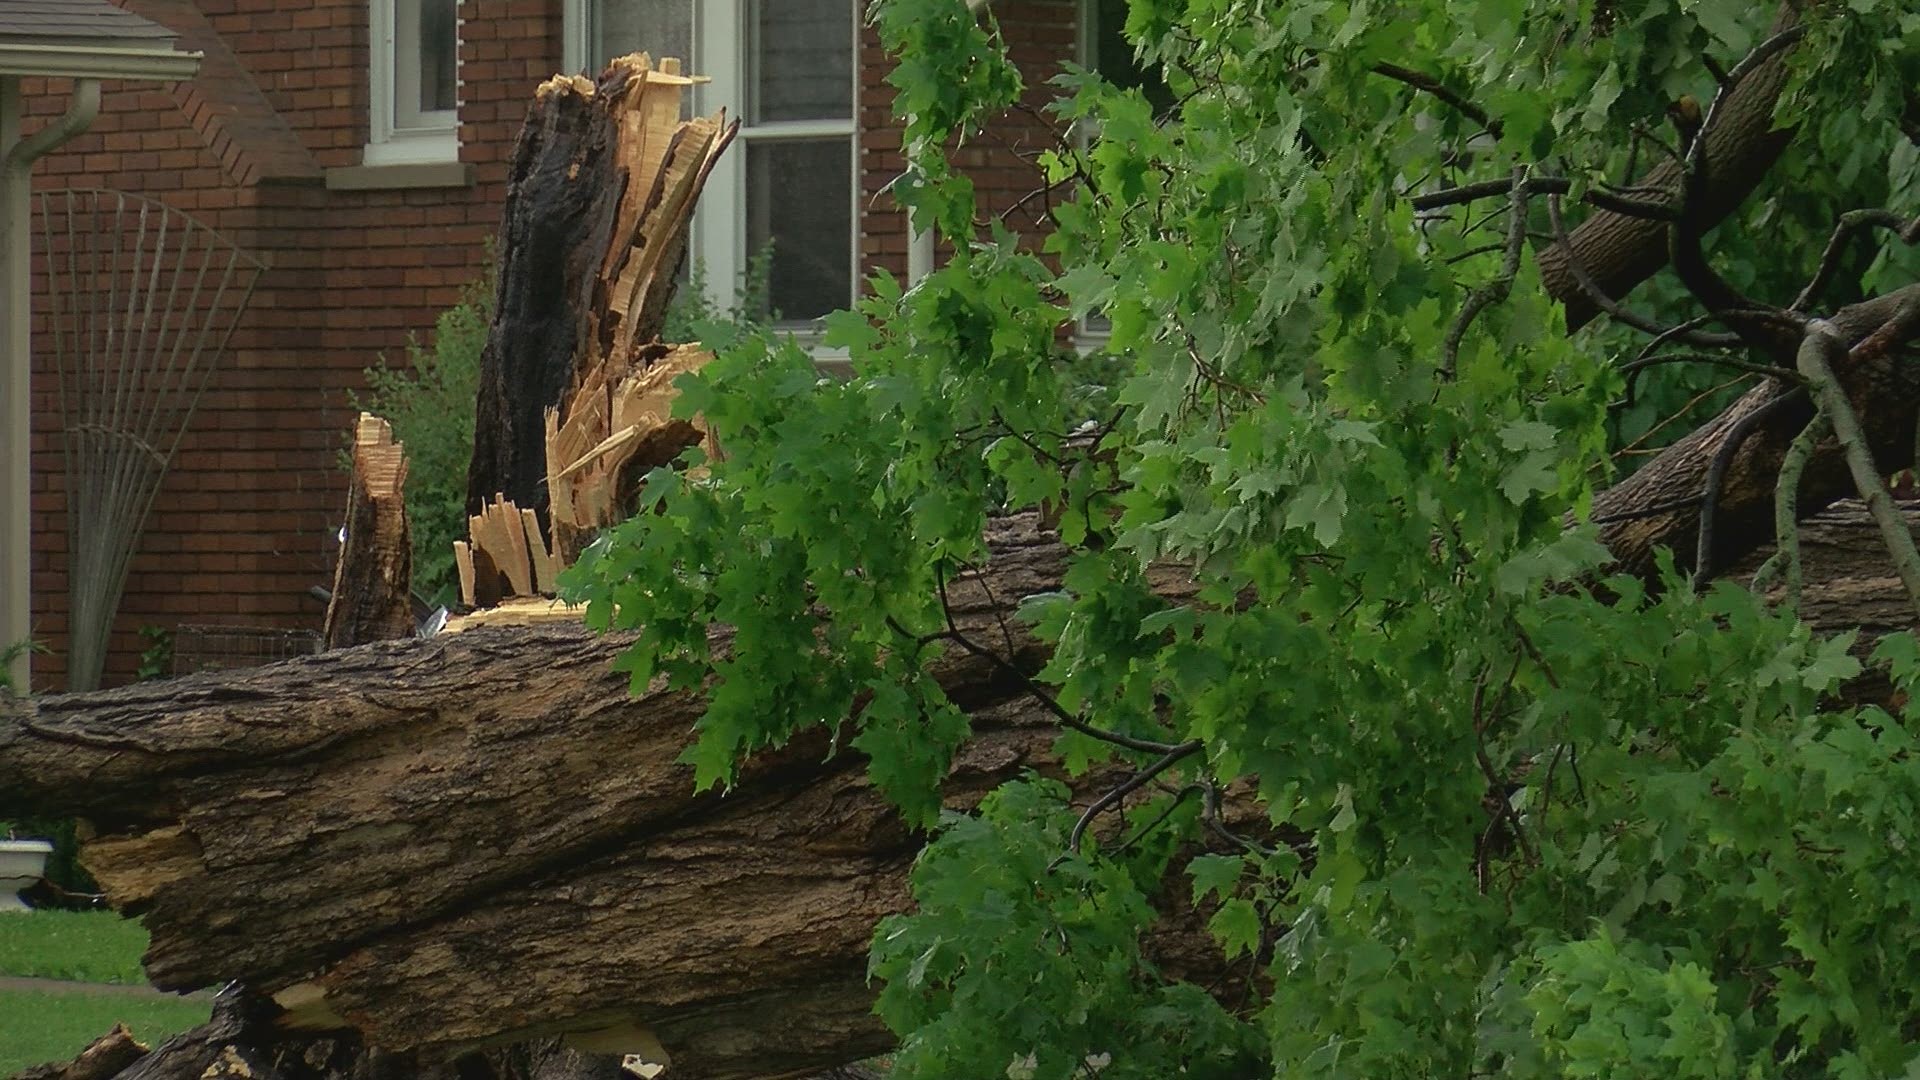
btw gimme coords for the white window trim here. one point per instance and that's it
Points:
(386, 144)
(719, 239)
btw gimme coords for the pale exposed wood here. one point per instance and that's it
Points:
(543, 568)
(141, 865)
(518, 611)
(463, 560)
(498, 533)
(617, 424)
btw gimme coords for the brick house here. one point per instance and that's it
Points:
(358, 149)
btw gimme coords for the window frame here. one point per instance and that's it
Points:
(437, 139)
(719, 230)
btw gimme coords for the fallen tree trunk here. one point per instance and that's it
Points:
(1660, 506)
(480, 837)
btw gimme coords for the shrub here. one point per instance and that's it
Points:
(429, 402)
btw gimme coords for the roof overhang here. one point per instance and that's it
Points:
(94, 61)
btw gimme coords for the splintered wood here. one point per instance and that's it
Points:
(613, 422)
(505, 554)
(618, 425)
(372, 582)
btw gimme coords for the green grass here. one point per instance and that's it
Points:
(37, 1027)
(84, 946)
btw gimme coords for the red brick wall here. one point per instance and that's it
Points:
(1040, 35)
(243, 526)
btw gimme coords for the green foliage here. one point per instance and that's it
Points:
(692, 311)
(1524, 819)
(156, 660)
(430, 404)
(11, 652)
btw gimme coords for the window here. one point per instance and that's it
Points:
(1104, 48)
(786, 69)
(415, 81)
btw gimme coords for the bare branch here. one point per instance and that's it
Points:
(1578, 267)
(1134, 783)
(1496, 290)
(1633, 368)
(1851, 224)
(1814, 360)
(1703, 568)
(1786, 514)
(1420, 80)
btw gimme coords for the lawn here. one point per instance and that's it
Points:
(37, 1027)
(82, 946)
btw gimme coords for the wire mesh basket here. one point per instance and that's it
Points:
(219, 648)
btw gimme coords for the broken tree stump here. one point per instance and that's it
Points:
(372, 596)
(601, 188)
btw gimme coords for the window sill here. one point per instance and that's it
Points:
(400, 177)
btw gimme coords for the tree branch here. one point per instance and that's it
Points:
(1815, 363)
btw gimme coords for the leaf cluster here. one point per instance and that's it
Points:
(1450, 799)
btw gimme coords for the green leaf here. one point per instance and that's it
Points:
(1215, 875)
(1237, 927)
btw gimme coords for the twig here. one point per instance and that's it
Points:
(1851, 223)
(1422, 81)
(1540, 185)
(1496, 290)
(1647, 209)
(1633, 368)
(1141, 833)
(1035, 690)
(1814, 362)
(1211, 816)
(1578, 268)
(1689, 332)
(1136, 782)
(1633, 447)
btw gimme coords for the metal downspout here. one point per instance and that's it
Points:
(17, 155)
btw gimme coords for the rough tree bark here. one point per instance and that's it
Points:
(482, 836)
(1621, 250)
